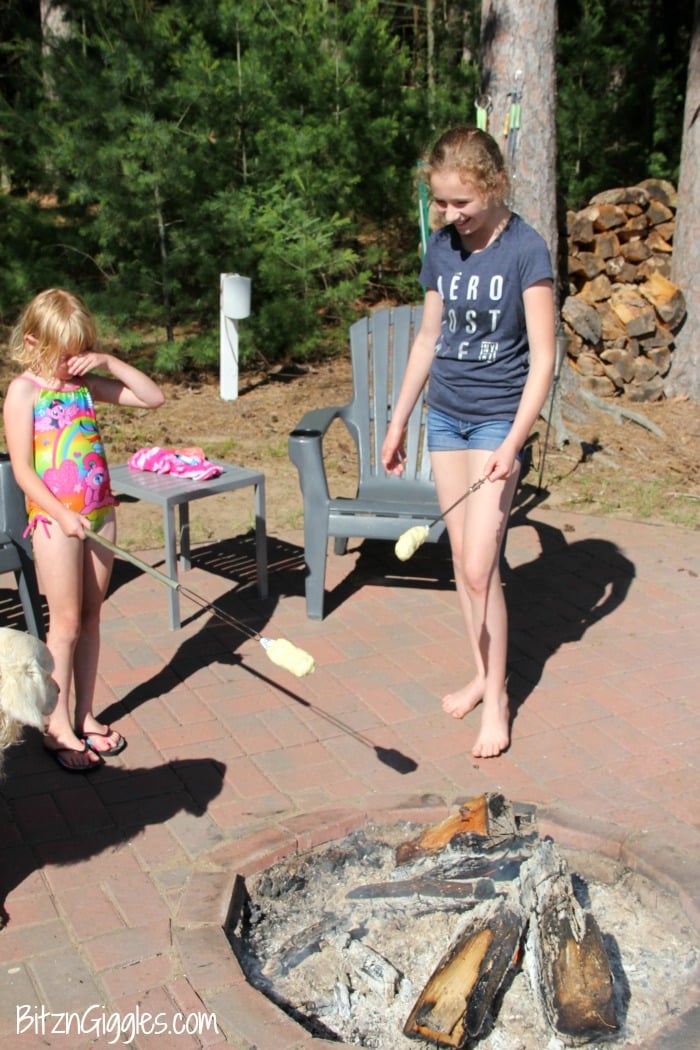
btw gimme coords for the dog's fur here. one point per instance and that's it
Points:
(28, 693)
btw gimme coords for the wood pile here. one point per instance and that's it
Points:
(622, 310)
(535, 915)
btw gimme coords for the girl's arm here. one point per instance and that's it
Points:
(18, 415)
(539, 318)
(128, 386)
(417, 369)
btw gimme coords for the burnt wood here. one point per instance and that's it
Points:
(485, 821)
(455, 1002)
(566, 957)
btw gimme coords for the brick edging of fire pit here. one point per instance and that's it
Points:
(250, 1020)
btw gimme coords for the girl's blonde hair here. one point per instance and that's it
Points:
(475, 156)
(59, 323)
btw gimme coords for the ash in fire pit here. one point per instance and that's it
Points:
(471, 930)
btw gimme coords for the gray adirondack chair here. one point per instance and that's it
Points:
(384, 505)
(16, 549)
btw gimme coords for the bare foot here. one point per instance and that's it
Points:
(494, 735)
(464, 700)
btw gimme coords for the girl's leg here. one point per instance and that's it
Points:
(59, 562)
(452, 479)
(485, 525)
(97, 570)
(476, 553)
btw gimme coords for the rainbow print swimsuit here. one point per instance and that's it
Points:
(69, 455)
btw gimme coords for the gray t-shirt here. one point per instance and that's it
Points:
(482, 356)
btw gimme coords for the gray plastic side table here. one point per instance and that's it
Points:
(168, 491)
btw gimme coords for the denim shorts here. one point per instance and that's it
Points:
(447, 434)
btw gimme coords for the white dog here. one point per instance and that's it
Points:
(28, 693)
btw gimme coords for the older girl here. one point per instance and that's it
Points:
(486, 347)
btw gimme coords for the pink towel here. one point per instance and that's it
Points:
(183, 462)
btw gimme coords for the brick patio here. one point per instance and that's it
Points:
(117, 885)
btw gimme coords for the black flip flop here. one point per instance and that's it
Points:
(102, 752)
(58, 752)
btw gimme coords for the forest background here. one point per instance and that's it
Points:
(148, 147)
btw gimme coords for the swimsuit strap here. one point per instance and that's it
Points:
(65, 388)
(38, 519)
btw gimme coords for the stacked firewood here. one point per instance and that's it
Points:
(622, 310)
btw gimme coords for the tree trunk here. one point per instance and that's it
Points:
(518, 52)
(53, 21)
(430, 52)
(165, 279)
(685, 372)
(54, 26)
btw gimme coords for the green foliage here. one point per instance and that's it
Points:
(158, 143)
(306, 273)
(620, 90)
(193, 353)
(26, 232)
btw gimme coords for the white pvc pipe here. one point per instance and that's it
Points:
(234, 305)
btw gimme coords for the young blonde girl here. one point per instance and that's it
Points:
(486, 346)
(59, 462)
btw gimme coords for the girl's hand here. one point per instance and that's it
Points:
(500, 464)
(393, 455)
(81, 364)
(74, 524)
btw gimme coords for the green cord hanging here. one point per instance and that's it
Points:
(423, 212)
(483, 107)
(511, 130)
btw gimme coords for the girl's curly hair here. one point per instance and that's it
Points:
(474, 155)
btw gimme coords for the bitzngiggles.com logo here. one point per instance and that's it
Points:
(114, 1027)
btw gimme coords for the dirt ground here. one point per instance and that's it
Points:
(611, 466)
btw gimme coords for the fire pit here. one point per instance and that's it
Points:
(473, 929)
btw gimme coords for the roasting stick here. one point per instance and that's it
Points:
(278, 650)
(409, 541)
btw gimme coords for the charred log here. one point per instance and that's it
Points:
(566, 957)
(456, 1002)
(484, 822)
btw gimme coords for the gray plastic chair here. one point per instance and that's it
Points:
(16, 549)
(384, 506)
